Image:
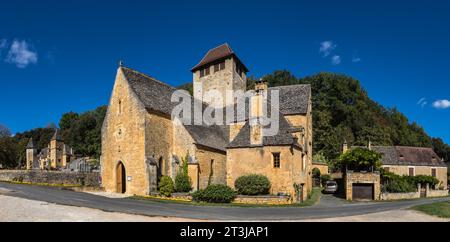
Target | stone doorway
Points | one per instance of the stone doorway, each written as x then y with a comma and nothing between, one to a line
121,178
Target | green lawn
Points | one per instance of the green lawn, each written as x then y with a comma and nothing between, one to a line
314,198
436,209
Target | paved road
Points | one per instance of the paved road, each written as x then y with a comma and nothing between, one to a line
148,208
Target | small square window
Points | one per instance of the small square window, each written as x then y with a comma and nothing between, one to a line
433,173
276,160
411,171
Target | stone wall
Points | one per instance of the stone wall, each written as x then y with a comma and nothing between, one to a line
362,178
323,168
269,200
399,196
123,140
51,177
437,193
211,175
259,160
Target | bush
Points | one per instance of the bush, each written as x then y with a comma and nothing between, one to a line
215,194
183,183
165,186
399,184
316,173
253,185
325,178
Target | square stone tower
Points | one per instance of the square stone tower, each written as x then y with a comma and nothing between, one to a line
218,72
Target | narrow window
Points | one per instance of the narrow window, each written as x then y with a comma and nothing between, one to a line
216,67
222,66
433,172
211,173
411,171
276,160
120,106
207,71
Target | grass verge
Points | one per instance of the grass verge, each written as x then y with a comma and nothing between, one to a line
441,209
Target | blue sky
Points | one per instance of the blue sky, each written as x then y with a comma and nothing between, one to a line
60,56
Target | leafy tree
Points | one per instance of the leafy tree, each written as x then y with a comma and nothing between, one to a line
360,159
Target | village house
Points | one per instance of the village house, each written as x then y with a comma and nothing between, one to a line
141,142
57,155
400,160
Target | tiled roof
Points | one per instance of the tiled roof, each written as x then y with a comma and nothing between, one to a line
218,53
408,156
30,144
293,99
284,136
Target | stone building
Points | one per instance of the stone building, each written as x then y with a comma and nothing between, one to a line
57,155
142,142
411,161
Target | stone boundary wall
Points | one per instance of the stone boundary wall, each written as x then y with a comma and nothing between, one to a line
51,177
399,196
269,200
437,193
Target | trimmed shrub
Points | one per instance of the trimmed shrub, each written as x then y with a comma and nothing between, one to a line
252,185
165,186
215,194
183,183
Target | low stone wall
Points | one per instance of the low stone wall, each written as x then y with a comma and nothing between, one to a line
51,178
270,200
437,193
399,196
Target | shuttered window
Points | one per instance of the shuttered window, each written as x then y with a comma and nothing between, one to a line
411,171
433,172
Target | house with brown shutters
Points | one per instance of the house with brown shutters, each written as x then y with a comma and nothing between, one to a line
141,141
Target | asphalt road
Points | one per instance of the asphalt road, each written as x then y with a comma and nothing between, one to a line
149,208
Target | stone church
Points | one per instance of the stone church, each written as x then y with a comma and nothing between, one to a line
56,156
142,142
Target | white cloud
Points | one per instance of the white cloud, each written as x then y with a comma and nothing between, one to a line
356,59
21,55
326,48
422,102
336,60
441,104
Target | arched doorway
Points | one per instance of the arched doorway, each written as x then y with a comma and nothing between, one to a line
121,178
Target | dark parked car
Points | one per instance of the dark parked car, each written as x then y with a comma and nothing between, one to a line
331,187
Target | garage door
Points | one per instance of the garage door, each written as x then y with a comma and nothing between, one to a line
363,191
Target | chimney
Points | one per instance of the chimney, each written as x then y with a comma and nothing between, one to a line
257,112
345,146
261,85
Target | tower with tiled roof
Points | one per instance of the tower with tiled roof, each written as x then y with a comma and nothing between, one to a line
219,71
31,151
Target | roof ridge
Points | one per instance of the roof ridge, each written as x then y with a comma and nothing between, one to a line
148,76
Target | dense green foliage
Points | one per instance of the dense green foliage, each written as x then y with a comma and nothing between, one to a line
325,178
316,173
183,183
81,131
165,186
252,185
343,110
394,183
215,194
359,159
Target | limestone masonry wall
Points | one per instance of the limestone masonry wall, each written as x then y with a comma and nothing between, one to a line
51,177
